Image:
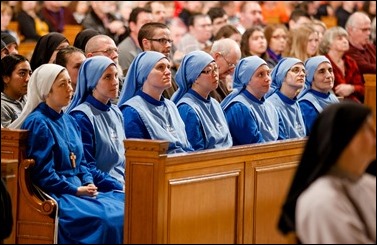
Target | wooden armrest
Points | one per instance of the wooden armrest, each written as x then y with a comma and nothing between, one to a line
292,238
40,204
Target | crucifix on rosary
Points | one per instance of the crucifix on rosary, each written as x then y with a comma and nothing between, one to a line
73,159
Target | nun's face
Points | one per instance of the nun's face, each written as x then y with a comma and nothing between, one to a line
208,79
260,82
61,92
296,76
323,80
108,85
160,75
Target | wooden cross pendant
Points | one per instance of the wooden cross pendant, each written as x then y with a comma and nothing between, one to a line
73,159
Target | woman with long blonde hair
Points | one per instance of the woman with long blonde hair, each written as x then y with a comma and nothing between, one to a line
304,43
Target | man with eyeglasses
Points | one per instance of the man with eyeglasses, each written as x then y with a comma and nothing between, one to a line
105,46
156,36
361,49
226,53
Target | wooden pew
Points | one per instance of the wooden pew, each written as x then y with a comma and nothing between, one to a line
9,173
33,215
13,26
273,20
70,32
27,48
212,196
370,92
330,21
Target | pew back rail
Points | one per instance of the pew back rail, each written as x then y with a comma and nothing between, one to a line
212,196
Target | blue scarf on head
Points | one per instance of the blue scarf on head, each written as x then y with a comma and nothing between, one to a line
245,69
280,71
191,66
138,72
311,66
90,73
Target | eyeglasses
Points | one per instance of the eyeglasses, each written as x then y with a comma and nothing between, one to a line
297,70
162,41
211,71
280,37
367,29
230,65
108,51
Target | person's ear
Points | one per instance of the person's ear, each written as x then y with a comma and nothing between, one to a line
146,45
6,79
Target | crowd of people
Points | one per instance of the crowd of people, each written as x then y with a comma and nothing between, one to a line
200,75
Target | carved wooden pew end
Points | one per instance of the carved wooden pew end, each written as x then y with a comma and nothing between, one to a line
34,212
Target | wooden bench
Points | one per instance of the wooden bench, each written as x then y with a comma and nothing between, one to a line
13,26
70,32
212,196
370,92
27,48
9,173
330,21
33,214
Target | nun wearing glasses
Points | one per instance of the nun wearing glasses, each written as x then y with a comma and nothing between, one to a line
204,119
288,78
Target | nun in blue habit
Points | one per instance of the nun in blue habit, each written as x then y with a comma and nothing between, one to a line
147,114
288,78
250,117
205,122
100,120
90,208
318,93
